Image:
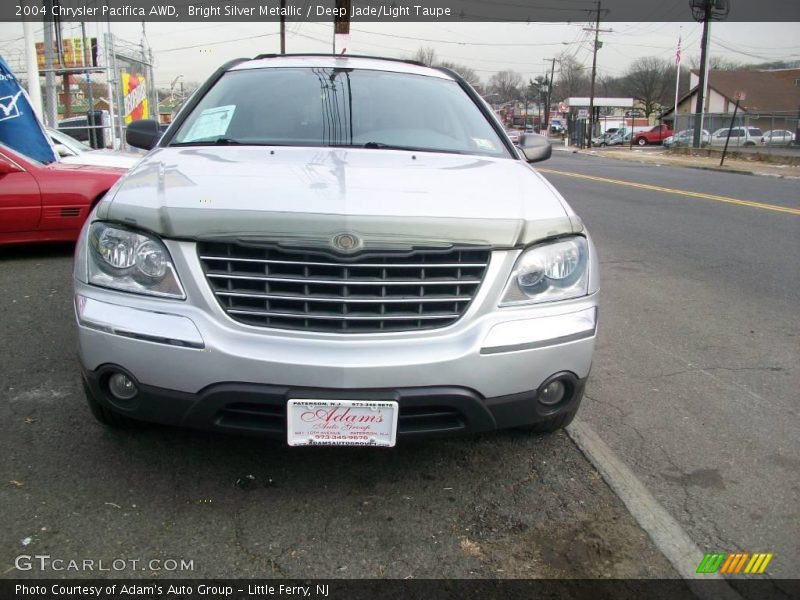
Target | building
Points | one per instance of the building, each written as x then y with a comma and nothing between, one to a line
771,99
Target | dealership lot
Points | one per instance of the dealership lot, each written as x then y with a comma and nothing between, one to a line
693,387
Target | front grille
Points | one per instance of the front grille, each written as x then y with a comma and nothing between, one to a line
295,289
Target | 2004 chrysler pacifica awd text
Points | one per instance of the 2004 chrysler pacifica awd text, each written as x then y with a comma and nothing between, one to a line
335,251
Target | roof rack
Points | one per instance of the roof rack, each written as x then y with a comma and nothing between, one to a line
327,55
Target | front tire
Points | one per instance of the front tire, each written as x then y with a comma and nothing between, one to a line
641,142
103,414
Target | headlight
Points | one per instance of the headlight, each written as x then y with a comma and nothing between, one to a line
555,270
130,261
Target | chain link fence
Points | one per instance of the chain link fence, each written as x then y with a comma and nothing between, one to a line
772,133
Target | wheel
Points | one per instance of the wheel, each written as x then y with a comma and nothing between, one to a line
103,415
749,143
642,142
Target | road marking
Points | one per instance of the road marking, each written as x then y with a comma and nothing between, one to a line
667,534
656,188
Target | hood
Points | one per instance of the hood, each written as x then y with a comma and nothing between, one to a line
311,194
103,158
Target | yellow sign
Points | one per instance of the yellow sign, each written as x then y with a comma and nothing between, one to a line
75,52
134,94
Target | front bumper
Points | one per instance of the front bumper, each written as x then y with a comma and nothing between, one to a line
258,409
192,362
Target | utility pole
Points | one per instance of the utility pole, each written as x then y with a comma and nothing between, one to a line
51,102
32,69
597,46
549,97
705,11
283,26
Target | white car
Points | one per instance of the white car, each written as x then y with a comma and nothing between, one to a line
71,151
739,136
686,138
778,137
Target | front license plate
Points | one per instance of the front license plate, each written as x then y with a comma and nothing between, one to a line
341,422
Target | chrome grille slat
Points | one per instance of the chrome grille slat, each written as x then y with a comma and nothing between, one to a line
335,264
353,299
270,286
408,317
346,280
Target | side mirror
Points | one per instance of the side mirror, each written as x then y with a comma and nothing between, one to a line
7,167
535,147
144,134
62,150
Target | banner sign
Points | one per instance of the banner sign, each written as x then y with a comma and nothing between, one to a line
75,53
20,128
134,94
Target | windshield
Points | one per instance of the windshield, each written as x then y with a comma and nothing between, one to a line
68,141
340,107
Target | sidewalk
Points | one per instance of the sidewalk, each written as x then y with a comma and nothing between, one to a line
660,157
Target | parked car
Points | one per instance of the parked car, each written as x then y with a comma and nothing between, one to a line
78,126
71,151
280,265
602,140
620,137
656,135
513,135
739,136
778,137
686,138
43,203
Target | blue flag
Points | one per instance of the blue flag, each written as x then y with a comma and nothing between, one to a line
20,128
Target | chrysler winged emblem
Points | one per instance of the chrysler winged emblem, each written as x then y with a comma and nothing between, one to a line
346,242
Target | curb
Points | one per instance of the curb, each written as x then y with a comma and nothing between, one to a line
698,167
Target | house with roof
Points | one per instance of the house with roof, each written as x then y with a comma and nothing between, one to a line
771,99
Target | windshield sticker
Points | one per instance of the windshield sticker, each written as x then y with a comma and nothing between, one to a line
212,123
483,144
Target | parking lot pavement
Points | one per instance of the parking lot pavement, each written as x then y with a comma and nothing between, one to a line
697,366
505,505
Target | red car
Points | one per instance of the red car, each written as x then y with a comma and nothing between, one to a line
656,135
47,203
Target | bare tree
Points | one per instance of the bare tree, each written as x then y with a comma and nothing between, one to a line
573,79
717,63
507,85
468,73
651,81
426,55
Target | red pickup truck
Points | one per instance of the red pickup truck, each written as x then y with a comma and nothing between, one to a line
655,136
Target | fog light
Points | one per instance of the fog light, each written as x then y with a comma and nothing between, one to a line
121,386
553,393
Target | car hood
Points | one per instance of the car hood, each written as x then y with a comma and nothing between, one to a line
384,196
103,158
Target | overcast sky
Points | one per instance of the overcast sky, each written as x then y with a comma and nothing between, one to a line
194,50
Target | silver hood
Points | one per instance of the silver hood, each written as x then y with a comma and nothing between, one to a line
311,194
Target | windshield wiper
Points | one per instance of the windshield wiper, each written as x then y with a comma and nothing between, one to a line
219,141
382,146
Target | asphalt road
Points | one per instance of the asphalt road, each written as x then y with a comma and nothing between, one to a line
696,375
506,505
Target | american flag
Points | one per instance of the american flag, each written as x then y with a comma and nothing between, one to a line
678,53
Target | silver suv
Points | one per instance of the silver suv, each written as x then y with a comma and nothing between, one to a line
335,251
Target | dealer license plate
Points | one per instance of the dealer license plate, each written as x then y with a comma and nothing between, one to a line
341,422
